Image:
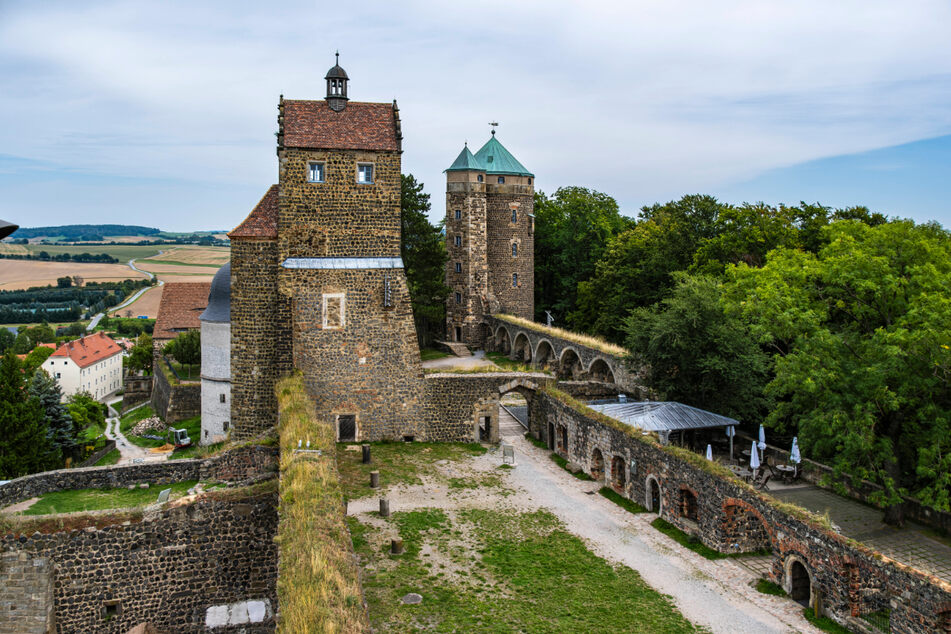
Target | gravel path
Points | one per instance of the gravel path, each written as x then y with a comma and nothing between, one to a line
127,451
716,595
477,360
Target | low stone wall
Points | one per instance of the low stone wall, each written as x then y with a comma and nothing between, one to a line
93,459
167,569
135,390
703,499
238,465
456,403
173,402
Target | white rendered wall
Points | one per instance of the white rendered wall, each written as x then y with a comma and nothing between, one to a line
215,382
99,379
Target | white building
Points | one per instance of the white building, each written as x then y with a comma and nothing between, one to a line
216,360
90,364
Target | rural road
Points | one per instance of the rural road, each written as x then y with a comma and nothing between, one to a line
95,320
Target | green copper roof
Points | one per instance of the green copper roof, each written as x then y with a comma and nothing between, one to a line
492,158
497,160
465,161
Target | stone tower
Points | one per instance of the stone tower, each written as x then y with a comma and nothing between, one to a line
490,240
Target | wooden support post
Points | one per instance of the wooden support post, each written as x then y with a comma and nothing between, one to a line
374,479
384,508
366,454
396,546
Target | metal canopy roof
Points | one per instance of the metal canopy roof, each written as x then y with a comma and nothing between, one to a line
343,263
662,415
495,159
465,162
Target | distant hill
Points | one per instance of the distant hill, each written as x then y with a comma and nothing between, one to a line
80,232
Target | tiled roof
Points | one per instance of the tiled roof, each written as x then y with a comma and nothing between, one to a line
182,303
262,221
88,350
359,126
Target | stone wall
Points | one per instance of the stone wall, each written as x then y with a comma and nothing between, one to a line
703,499
94,458
238,465
466,195
501,201
135,390
457,403
260,336
167,569
173,401
26,601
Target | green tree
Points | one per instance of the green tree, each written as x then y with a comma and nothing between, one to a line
636,269
424,256
697,354
24,446
746,233
35,358
862,352
572,230
140,356
64,282
23,344
185,348
84,410
6,339
59,424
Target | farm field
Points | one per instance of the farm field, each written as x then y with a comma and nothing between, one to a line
147,305
21,274
122,252
190,256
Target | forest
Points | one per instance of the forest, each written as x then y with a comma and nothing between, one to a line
827,324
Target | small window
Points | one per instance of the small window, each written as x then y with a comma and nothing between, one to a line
458,241
515,215
224,426
365,173
458,267
479,177
458,214
514,279
514,249
221,397
315,172
334,309
458,298
529,181
501,180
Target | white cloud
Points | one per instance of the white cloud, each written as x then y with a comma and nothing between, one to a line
643,100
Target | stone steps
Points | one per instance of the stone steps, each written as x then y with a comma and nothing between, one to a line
455,347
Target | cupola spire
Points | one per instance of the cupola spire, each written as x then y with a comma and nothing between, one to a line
337,86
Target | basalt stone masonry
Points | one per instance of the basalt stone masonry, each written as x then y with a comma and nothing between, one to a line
173,401
841,577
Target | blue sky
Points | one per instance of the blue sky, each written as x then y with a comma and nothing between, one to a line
164,113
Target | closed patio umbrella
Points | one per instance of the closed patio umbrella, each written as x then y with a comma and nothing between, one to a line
794,455
730,432
754,458
709,452
762,440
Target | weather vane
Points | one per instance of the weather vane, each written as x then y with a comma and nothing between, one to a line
494,125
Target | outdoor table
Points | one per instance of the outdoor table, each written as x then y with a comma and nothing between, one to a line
787,471
746,474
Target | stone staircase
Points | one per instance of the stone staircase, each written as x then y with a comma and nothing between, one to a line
455,347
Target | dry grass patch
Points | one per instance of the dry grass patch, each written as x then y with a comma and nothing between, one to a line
22,274
318,585
192,256
567,335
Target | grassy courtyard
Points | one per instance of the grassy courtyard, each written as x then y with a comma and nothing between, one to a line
97,499
482,566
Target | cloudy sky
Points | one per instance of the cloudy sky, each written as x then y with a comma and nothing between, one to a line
164,113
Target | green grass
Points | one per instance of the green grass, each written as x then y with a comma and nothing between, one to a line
128,420
538,443
96,499
196,450
685,540
110,458
397,462
561,462
191,372
623,502
505,363
91,433
430,354
768,587
824,623
501,571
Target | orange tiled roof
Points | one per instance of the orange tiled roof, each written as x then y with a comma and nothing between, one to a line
88,350
262,221
359,126
181,305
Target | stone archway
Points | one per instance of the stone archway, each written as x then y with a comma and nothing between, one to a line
744,527
570,367
503,340
601,371
653,500
618,474
597,465
797,580
522,348
544,354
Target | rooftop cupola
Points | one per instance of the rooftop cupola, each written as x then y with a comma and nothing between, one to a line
337,86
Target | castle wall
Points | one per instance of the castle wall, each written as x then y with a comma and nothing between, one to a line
369,367
472,283
502,233
173,401
167,569
847,578
260,336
